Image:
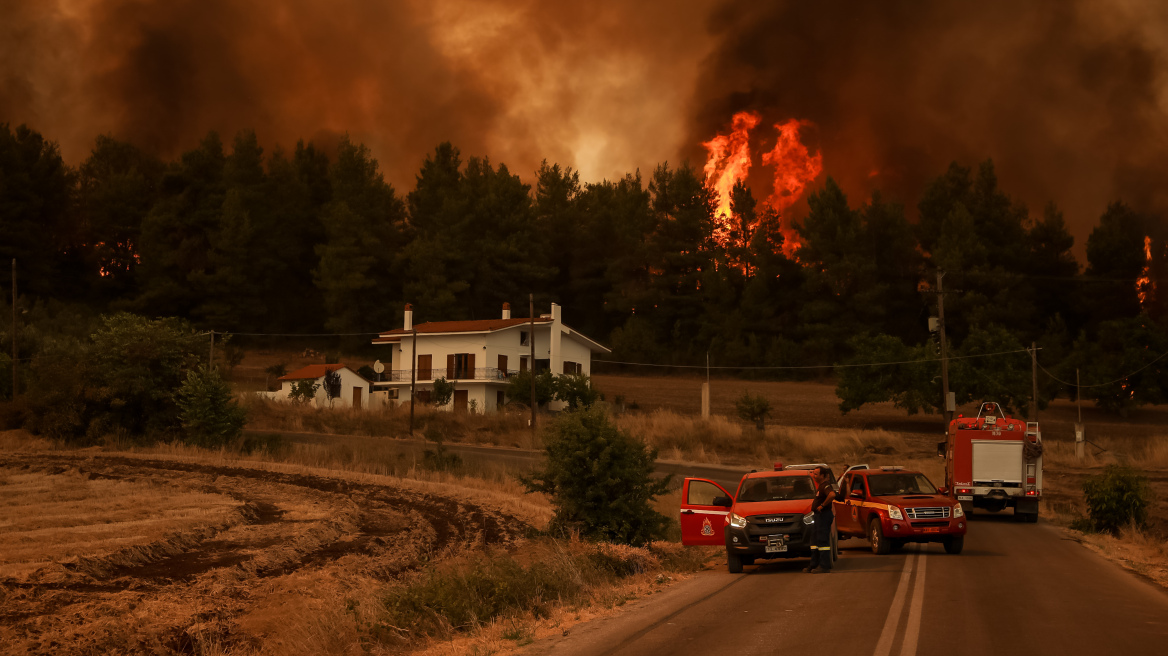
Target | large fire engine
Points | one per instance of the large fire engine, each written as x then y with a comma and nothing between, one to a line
993,462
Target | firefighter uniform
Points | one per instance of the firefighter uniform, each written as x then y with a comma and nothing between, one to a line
821,530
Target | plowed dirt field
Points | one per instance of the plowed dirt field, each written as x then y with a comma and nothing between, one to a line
104,554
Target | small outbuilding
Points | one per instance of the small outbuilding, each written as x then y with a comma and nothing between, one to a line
353,393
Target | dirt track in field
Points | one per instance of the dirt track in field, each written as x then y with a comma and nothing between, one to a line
226,582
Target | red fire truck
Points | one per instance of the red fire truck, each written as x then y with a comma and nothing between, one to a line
993,461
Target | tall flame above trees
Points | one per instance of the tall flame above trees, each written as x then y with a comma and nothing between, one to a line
1145,286
729,161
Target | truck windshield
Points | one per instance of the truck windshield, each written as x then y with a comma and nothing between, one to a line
890,485
777,488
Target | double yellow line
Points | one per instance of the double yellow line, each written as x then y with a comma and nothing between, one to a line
912,630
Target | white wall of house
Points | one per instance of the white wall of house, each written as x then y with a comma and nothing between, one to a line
350,381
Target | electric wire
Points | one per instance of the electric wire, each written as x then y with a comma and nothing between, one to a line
814,366
1112,382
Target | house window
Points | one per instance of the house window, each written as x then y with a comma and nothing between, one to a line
542,364
523,338
571,368
460,366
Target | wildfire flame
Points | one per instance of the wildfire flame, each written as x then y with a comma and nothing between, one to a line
1144,284
729,161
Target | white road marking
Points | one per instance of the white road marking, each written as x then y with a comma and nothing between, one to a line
912,631
888,634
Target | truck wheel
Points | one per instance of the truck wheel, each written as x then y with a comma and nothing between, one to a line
954,545
876,536
734,563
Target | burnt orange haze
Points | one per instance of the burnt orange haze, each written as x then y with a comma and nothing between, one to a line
793,166
1068,98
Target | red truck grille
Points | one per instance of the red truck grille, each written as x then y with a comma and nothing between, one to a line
938,512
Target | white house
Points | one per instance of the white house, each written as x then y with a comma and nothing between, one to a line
478,356
355,390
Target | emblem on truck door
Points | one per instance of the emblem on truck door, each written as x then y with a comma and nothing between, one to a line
706,528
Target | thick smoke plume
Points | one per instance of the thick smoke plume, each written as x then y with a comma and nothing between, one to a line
1068,98
598,86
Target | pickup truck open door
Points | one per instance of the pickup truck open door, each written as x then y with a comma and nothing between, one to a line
704,506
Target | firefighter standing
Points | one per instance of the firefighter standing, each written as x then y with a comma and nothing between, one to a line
821,530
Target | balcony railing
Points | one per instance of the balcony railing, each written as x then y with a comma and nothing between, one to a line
457,373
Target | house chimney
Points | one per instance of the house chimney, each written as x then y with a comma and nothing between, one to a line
506,310
555,312
408,324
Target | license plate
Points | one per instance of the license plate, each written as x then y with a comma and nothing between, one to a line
776,544
969,498
932,530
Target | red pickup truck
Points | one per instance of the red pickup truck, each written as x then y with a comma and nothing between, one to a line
768,517
892,506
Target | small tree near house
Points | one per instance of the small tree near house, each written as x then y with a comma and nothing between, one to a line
303,391
332,385
754,409
443,392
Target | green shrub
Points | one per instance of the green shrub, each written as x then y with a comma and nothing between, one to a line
442,393
303,391
754,409
576,390
600,480
209,413
1117,498
439,459
519,388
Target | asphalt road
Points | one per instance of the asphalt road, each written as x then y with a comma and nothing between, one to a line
1016,589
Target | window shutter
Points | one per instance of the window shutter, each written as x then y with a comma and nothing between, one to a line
470,366
450,367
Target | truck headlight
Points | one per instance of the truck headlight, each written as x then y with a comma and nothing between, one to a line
895,513
737,521
958,511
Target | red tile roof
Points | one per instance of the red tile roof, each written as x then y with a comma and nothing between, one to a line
312,371
475,326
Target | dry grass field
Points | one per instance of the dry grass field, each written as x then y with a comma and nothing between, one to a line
106,553
296,544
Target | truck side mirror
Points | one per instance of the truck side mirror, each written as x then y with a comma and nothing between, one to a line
941,449
857,494
943,490
724,502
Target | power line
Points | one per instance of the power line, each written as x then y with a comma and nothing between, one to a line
814,366
1117,380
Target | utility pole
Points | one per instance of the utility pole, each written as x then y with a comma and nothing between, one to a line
1080,433
1034,381
944,348
14,359
531,369
413,374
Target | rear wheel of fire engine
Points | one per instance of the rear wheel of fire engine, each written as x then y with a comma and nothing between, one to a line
954,545
734,563
876,536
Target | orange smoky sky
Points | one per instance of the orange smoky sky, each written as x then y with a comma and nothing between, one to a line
1069,98
599,86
